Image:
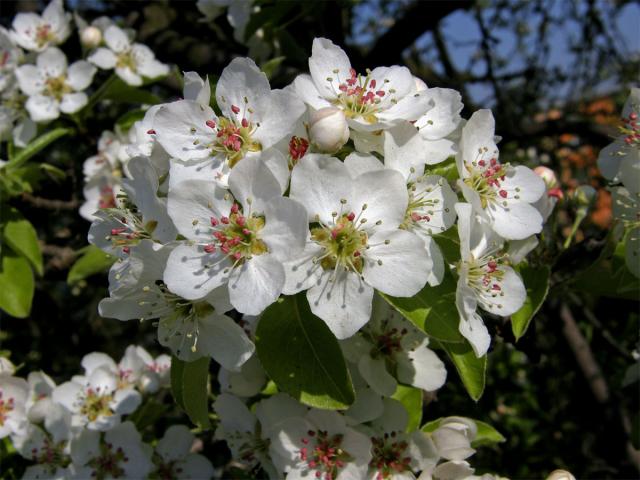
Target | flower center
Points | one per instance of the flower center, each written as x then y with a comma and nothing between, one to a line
131,229
127,59
421,209
96,404
108,464
44,35
237,236
322,453
486,177
360,96
50,453
168,470
389,342
57,87
389,456
342,242
485,275
6,406
631,130
298,146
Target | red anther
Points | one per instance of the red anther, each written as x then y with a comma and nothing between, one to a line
235,208
214,221
426,218
628,140
494,162
117,231
235,109
126,250
372,84
415,217
240,220
380,93
633,115
151,132
210,248
356,253
482,163
342,87
246,231
351,216
224,220
237,255
245,122
211,124
492,264
225,249
353,73
496,287
503,193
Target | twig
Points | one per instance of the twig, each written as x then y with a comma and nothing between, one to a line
61,257
50,204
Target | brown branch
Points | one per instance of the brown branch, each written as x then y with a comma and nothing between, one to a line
418,18
61,257
50,204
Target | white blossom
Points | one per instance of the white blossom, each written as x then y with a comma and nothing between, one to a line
174,457
13,396
38,32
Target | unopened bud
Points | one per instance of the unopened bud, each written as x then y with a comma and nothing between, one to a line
328,129
585,196
420,85
548,175
560,475
91,37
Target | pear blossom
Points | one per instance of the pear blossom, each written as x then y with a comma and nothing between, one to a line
48,447
96,401
376,100
254,119
501,192
484,278
389,347
39,401
626,208
625,150
355,242
396,454
453,438
319,445
175,460
52,87
430,209
13,396
15,122
38,32
241,243
117,453
131,61
553,193
248,434
10,56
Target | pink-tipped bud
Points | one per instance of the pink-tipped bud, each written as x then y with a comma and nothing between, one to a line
548,175
328,129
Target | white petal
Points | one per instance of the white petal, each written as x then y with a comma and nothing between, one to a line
308,92
523,183
516,221
72,102
374,371
422,368
80,75
52,62
239,80
129,76
478,133
196,89
147,65
234,415
192,273
285,228
103,58
509,299
610,157
319,182
471,325
253,184
275,409
224,340
398,267
42,108
329,67
126,401
175,444
195,466
302,273
630,171
181,128
279,166
409,108
342,300
444,117
94,360
384,193
368,406
359,163
30,79
116,39
279,118
256,284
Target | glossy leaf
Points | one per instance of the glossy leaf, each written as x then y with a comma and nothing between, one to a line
92,261
536,281
19,234
411,398
301,355
16,284
471,369
195,391
177,368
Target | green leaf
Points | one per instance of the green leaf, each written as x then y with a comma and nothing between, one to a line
92,261
126,121
301,355
53,171
446,169
471,369
177,368
449,244
16,284
411,398
432,310
271,66
536,280
486,435
195,391
119,91
37,145
20,235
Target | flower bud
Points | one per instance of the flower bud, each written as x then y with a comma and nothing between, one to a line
91,37
560,475
548,176
328,129
585,196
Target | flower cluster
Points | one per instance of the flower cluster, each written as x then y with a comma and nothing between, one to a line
620,163
75,430
37,83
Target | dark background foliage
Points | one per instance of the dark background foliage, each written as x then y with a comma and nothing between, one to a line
555,73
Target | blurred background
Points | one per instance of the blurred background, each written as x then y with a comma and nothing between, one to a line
555,73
